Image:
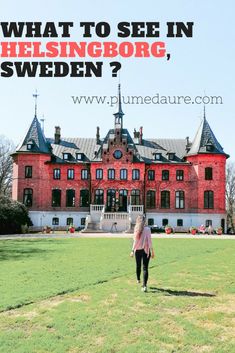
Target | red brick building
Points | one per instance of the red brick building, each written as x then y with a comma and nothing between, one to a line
102,181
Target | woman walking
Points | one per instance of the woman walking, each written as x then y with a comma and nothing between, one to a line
143,249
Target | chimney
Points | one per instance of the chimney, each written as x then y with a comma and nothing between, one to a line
136,134
188,145
187,140
97,135
141,135
57,135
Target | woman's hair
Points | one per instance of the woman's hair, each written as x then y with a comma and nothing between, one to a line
139,227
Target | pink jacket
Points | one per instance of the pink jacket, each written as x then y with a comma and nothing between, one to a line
145,241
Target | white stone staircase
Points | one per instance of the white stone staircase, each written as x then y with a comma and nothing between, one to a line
100,221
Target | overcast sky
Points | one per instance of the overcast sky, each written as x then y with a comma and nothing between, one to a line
198,65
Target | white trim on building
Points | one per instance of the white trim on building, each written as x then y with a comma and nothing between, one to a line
189,219
45,218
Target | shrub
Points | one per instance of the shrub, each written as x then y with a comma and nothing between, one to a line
13,215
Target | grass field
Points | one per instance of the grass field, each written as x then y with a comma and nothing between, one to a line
80,295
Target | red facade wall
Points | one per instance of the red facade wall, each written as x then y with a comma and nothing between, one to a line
171,185
194,183
117,184
217,184
42,181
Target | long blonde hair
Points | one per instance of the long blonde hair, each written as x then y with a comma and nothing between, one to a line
139,227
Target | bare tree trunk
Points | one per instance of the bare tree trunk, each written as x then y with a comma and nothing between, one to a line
6,163
230,195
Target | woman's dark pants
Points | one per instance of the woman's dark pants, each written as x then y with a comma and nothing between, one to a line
139,256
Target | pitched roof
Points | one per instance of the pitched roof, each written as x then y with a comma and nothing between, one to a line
144,152
86,146
36,137
151,146
204,137
92,151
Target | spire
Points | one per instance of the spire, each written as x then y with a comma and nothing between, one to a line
205,140
35,96
34,140
118,112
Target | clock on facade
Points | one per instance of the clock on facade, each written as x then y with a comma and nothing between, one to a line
117,154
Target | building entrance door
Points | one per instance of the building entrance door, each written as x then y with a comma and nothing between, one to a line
123,200
111,199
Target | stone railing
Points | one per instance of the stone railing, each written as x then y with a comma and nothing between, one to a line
96,208
120,221
136,208
134,211
116,216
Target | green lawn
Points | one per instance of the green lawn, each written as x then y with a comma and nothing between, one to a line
80,295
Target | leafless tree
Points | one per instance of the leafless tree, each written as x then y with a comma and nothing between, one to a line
230,194
6,163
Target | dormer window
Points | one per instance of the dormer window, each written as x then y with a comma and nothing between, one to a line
79,156
30,145
66,156
171,156
157,156
209,147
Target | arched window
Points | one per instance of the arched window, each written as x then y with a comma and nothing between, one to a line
150,199
111,200
208,173
179,199
84,198
208,199
70,198
99,197
28,197
56,198
123,200
135,197
165,199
